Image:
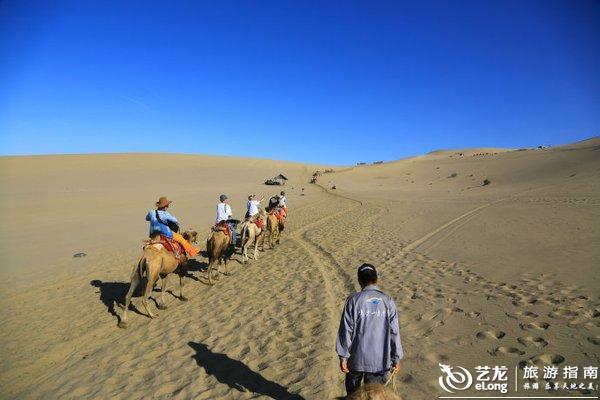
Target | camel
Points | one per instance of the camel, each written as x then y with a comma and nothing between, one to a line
273,228
219,251
251,233
156,262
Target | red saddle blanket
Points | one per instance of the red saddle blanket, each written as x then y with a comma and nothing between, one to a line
224,227
279,214
172,246
258,222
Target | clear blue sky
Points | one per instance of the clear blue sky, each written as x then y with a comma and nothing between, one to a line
338,82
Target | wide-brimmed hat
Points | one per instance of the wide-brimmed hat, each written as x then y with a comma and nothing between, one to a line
163,202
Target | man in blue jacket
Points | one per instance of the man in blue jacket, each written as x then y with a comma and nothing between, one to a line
368,341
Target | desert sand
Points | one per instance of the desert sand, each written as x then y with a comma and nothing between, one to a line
492,274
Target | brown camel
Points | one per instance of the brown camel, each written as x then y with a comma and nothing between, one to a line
156,262
273,228
251,233
219,251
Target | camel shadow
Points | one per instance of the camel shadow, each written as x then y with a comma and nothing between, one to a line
112,293
237,375
194,265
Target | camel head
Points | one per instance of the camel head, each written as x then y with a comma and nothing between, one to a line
191,236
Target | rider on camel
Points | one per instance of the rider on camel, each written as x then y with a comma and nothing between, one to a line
163,223
282,203
224,214
253,206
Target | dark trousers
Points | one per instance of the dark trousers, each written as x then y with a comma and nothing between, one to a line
354,379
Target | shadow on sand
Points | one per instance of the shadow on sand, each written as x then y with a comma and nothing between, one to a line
237,375
113,293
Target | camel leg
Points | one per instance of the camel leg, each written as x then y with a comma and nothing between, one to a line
209,270
256,249
149,287
181,296
244,253
225,270
135,281
218,269
161,304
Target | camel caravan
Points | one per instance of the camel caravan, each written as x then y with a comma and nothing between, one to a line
168,252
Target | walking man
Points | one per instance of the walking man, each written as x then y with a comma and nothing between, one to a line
368,341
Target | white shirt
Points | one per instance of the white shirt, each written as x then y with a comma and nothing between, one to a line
282,201
223,212
253,207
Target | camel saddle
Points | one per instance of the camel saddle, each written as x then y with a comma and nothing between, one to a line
169,245
279,213
258,222
223,226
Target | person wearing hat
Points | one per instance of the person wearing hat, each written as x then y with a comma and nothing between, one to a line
224,215
162,222
252,205
368,341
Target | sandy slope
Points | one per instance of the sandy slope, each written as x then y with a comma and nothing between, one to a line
495,275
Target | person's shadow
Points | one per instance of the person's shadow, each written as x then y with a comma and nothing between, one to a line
237,375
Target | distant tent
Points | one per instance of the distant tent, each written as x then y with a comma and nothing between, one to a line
278,180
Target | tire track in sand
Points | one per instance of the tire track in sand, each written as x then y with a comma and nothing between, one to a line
337,283
471,213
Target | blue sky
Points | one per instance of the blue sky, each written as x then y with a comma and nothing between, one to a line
329,82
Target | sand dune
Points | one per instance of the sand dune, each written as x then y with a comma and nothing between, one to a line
501,273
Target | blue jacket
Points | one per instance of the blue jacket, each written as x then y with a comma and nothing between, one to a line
369,336
156,226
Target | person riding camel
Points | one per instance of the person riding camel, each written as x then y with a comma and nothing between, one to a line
224,215
282,203
253,206
163,223
275,207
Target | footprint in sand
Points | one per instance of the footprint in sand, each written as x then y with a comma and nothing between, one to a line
518,314
505,350
547,359
490,335
542,359
595,340
436,358
534,341
527,314
540,326
562,313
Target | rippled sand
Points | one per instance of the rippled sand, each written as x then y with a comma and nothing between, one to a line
496,274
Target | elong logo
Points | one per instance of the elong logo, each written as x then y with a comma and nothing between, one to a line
455,380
